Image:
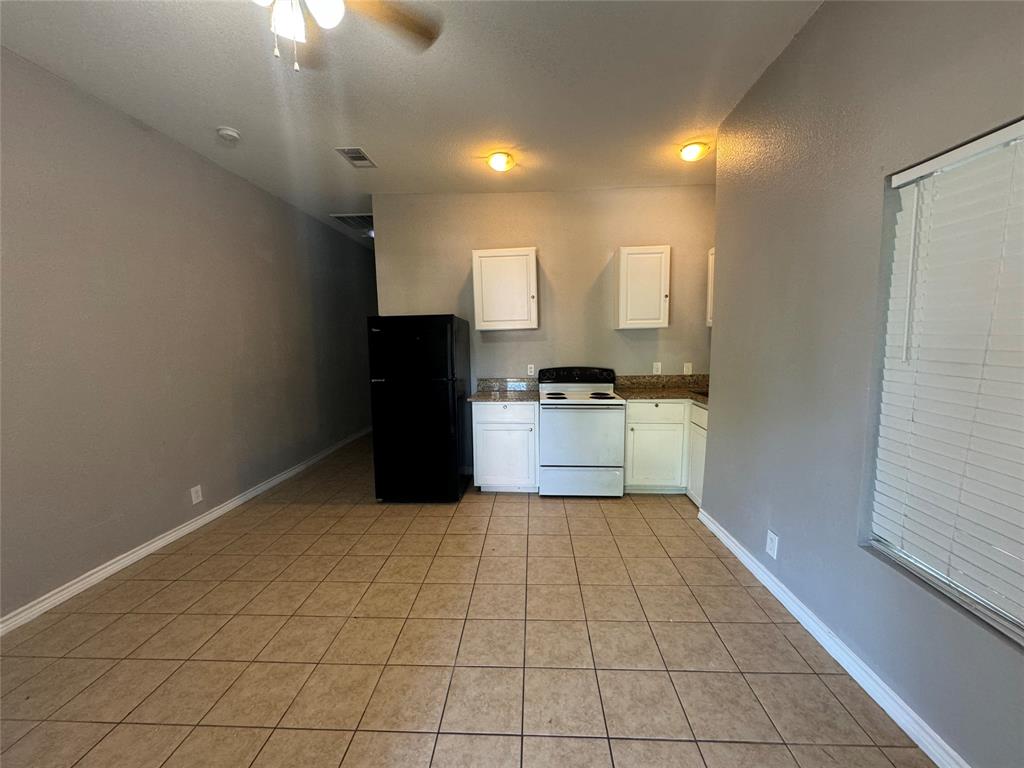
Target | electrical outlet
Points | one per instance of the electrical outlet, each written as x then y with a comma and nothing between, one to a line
687,369
197,494
530,370
771,546
657,368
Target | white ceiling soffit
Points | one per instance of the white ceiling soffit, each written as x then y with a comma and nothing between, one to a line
584,94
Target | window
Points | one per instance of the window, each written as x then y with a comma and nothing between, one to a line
949,475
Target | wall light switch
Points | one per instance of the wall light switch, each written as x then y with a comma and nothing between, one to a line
197,494
657,367
687,369
771,545
530,370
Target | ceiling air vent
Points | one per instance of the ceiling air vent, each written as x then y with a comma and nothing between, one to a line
356,156
359,224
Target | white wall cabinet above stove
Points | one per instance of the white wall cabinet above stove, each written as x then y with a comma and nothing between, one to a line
505,288
644,286
505,446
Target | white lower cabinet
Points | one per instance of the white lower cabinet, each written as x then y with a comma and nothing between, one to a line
505,446
654,455
698,449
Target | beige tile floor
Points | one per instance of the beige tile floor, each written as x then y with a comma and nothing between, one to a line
312,627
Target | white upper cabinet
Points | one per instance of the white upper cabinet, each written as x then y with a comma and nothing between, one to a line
644,286
505,288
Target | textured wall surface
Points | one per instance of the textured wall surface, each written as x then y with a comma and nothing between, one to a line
424,264
165,324
863,91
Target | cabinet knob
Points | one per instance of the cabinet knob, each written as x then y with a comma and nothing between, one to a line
666,295
531,429
533,296
504,406
656,405
631,429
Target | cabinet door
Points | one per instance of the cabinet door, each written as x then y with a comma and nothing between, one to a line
505,288
654,454
698,449
504,454
644,286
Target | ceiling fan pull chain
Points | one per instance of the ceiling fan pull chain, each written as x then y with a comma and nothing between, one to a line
295,56
277,51
297,14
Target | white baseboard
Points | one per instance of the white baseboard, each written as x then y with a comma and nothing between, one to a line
57,596
943,755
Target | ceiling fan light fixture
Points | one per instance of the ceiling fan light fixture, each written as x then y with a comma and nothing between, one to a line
327,13
286,20
500,161
694,151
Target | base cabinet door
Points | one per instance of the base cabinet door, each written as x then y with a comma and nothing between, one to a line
505,454
654,454
698,450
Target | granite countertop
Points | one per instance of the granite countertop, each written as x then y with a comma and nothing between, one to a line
660,393
504,396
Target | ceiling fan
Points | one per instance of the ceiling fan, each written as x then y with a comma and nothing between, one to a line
288,20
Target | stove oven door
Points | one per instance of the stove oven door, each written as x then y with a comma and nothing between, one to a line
582,435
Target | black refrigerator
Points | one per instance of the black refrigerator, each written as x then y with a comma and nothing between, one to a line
419,371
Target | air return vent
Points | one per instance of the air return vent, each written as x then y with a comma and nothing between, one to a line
360,224
356,156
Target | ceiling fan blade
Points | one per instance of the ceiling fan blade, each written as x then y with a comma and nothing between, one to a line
418,27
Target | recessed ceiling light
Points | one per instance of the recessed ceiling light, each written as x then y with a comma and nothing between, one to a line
694,151
228,135
500,161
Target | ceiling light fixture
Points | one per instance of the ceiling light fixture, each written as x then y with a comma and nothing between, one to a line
500,161
692,152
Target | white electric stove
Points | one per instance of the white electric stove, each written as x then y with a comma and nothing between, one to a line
582,432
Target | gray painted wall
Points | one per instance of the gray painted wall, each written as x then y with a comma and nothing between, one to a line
424,264
165,323
864,90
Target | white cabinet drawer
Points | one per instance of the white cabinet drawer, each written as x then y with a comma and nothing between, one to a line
656,413
484,413
699,416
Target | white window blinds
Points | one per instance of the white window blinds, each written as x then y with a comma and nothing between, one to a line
949,481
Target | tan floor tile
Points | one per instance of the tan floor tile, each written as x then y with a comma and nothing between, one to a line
551,570
172,567
484,701
556,601
871,717
333,697
468,525
333,544
12,730
218,748
357,568
641,705
333,598
776,611
624,645
726,755
364,641
429,526
913,757
588,526
602,571
309,568
692,647
390,525
639,546
463,751
656,754
816,656
760,648
541,752
558,644
54,745
175,597
291,544
428,642
452,570
40,696
549,545
407,699
670,604
611,603
263,568
305,749
508,526
688,545
228,597
502,570
492,643
315,524
509,508
375,544
302,638
260,696
188,694
250,544
704,571
182,637
839,757
68,633
387,601
217,568
498,601
135,746
388,750
442,601
281,598
411,569
20,634
418,545
729,604
594,546
720,706
805,711
241,638
113,695
652,571
562,702
121,637
461,545
15,670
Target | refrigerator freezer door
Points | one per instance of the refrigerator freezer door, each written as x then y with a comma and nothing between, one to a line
411,348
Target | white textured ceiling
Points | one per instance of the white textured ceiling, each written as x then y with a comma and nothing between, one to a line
585,94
